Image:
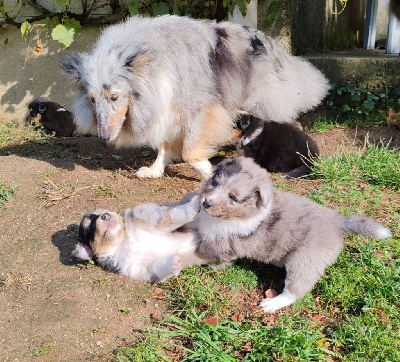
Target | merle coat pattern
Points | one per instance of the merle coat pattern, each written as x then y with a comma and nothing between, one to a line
243,216
177,85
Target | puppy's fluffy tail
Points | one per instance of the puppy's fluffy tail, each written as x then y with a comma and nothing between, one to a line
365,226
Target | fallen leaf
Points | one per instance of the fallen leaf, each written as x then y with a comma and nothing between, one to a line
38,50
363,185
271,293
158,293
237,317
341,187
270,320
247,347
213,320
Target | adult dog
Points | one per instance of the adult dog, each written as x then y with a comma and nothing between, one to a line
177,85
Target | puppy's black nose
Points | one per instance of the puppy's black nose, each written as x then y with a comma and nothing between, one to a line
206,204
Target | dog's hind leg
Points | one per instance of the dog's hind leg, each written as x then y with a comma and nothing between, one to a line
164,157
166,268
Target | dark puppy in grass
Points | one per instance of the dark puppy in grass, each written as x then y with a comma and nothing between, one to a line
52,116
278,147
243,216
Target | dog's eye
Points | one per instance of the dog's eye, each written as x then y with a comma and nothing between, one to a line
213,182
233,198
114,97
105,216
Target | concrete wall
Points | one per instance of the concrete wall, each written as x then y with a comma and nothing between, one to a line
24,77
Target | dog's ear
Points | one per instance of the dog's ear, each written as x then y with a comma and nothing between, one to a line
244,121
72,65
263,196
138,60
82,252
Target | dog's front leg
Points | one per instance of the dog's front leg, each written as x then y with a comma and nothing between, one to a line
164,157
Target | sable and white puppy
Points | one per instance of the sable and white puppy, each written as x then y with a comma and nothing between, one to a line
52,116
243,216
177,84
146,243
278,147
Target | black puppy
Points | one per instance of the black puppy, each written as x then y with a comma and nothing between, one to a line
52,116
278,147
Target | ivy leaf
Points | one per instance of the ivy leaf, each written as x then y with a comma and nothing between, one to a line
160,8
73,24
47,24
3,10
133,7
25,28
55,20
63,35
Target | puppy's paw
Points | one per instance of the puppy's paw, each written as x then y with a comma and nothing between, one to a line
271,305
148,172
193,207
176,264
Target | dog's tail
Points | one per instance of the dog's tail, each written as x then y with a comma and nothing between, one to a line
356,224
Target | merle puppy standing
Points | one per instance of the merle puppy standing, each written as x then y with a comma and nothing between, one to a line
177,85
244,216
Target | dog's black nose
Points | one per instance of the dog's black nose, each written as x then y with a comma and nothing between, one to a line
105,137
206,204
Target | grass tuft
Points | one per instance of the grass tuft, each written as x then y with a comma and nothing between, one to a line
352,314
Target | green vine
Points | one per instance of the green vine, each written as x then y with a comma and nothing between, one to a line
64,24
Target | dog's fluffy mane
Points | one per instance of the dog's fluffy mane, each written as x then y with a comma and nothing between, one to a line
183,81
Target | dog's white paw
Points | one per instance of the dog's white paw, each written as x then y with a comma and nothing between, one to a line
271,305
268,305
176,264
148,172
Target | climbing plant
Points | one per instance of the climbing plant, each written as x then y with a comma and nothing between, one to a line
62,19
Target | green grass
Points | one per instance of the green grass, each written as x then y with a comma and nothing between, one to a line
27,141
323,124
377,165
352,314
6,191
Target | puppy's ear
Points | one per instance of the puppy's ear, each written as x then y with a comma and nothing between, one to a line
82,252
244,121
72,65
263,197
42,107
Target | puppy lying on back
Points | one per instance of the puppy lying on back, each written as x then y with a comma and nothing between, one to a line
278,147
243,216
52,117
145,243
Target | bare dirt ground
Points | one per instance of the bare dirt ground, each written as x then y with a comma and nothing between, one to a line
52,308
